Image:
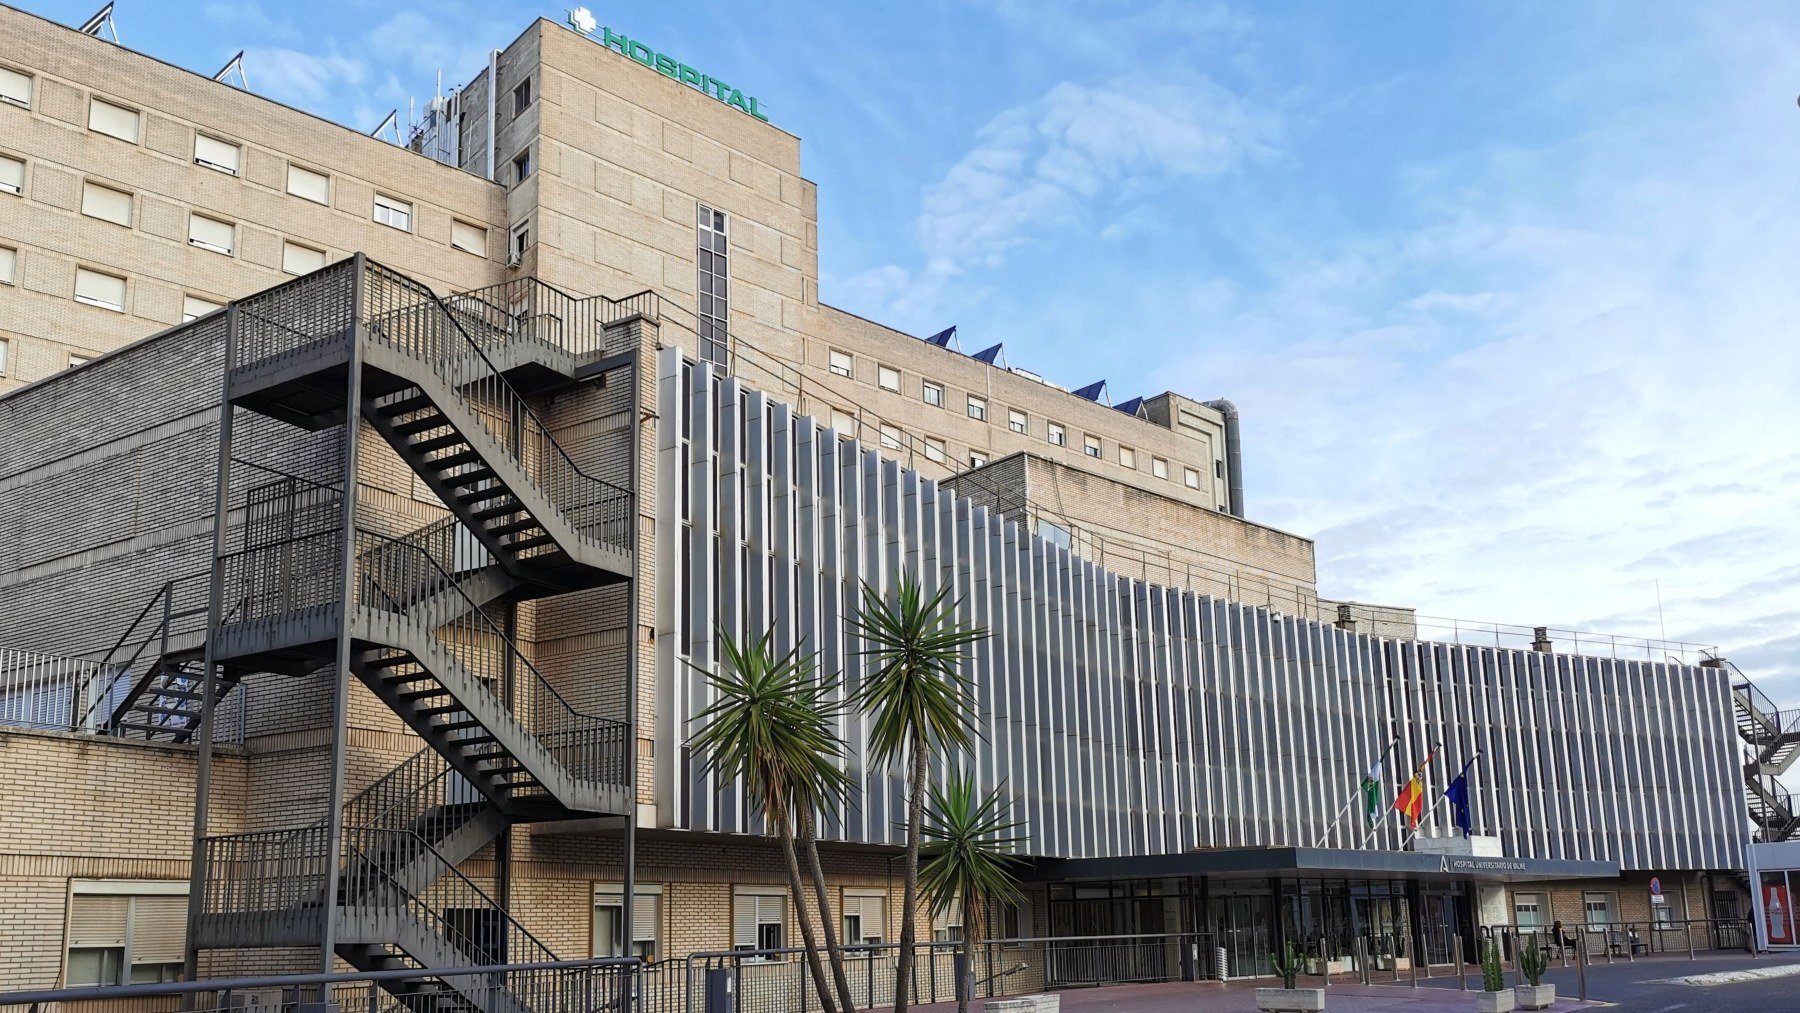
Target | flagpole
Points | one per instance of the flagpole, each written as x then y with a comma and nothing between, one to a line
1442,795
1417,772
1355,793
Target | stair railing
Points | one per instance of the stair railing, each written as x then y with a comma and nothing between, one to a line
423,794
590,747
536,310
413,320
171,612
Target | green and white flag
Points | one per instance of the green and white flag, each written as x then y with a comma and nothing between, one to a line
1371,792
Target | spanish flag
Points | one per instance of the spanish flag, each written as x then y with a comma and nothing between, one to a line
1412,801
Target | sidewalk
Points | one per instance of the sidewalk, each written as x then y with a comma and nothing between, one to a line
1239,997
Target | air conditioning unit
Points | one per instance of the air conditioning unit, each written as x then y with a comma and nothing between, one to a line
513,258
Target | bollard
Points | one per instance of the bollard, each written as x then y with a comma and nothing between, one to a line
1688,931
1362,961
1413,967
1631,943
1462,980
1324,966
1581,971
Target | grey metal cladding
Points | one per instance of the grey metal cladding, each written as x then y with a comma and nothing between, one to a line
1126,718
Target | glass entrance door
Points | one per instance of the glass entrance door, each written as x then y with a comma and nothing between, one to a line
1246,933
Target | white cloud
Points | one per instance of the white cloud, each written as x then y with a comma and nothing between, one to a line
305,79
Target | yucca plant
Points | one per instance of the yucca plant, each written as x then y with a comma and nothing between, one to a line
1493,979
919,703
968,854
770,724
1289,966
1531,961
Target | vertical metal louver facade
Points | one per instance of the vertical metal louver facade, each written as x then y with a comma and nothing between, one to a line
1125,718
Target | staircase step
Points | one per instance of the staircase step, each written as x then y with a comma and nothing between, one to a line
437,443
424,694
143,708
464,479
515,527
501,511
454,460
446,709
411,403
391,660
530,543
453,726
407,678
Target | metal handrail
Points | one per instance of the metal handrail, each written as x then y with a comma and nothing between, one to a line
112,669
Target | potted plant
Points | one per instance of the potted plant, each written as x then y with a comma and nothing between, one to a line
1494,996
1287,998
1536,995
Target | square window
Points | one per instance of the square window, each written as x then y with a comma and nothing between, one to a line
213,153
865,918
839,362
522,166
889,378
936,450
609,922
1159,467
15,88
977,459
12,175
1056,434
932,394
1128,457
1091,446
1528,910
468,238
106,204
977,408
393,212
193,307
522,96
121,931
1190,477
113,120
9,265
93,288
297,259
890,436
211,234
758,921
309,185
1017,421
843,423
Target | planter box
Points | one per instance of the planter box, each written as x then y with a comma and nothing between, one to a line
1494,1002
1025,1004
1291,1000
1535,996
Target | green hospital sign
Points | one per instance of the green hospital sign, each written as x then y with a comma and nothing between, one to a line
582,20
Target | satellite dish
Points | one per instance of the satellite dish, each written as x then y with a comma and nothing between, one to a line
583,20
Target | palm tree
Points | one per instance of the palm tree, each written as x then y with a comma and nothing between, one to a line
920,702
770,724
969,855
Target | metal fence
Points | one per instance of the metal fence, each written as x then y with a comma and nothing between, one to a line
52,692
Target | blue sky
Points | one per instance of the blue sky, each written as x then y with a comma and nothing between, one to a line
1506,292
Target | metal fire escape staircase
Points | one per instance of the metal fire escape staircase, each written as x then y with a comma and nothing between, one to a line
504,745
1772,740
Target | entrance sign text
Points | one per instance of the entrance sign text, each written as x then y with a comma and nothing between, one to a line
582,20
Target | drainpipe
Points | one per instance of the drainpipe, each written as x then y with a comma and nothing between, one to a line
493,92
1234,456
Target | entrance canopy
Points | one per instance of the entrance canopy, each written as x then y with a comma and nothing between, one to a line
1252,863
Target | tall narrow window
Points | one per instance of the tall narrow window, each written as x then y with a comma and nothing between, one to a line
15,88
521,240
715,282
1127,457
12,175
5,352
522,166
1159,467
9,265
1091,446
522,96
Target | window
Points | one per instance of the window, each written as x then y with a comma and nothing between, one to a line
977,408
977,459
9,265
1091,446
468,238
394,213
932,394
1219,468
865,917
211,234
193,307
947,926
1054,432
936,450
839,362
1190,477
5,354
890,436
1015,920
123,932
77,359
15,88
888,378
521,241
522,96
1159,467
297,259
1017,421
103,290
216,154
1597,908
844,423
715,280
1128,457
1528,910
309,185
760,919
522,166
12,175
609,921
1053,533
113,121
106,204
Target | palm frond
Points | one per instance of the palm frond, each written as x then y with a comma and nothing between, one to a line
969,849
914,683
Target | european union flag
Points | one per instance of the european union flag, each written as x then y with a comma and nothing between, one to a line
1458,796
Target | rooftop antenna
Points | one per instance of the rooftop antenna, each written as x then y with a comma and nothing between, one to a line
101,21
392,121
234,65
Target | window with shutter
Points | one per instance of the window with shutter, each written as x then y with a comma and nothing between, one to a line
113,121
297,259
210,234
216,154
609,921
309,185
96,289
15,87
865,918
946,927
12,175
468,238
193,307
158,929
98,919
759,919
9,265
106,204
5,354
